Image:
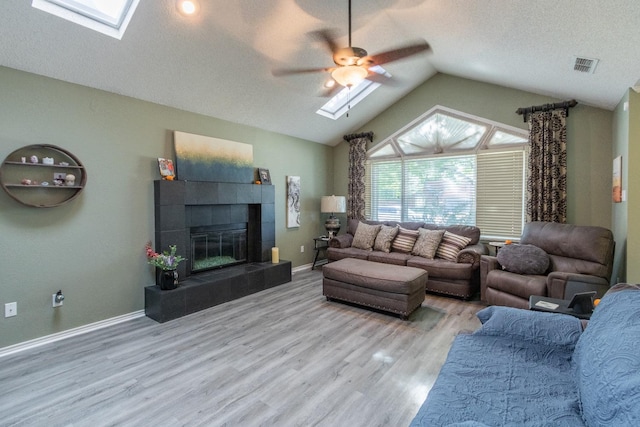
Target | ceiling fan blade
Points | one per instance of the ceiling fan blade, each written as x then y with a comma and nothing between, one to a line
327,37
395,54
292,71
378,78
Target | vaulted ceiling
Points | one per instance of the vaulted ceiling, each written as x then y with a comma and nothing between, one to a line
219,63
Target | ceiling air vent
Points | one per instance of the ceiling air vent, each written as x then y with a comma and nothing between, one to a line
585,65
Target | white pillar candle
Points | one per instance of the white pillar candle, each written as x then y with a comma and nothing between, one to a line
275,255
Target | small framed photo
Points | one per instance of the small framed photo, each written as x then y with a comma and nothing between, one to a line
166,168
264,176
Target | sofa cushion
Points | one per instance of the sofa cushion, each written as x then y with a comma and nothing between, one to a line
608,361
335,254
396,258
450,245
384,238
440,269
470,231
522,286
523,259
427,243
365,236
404,241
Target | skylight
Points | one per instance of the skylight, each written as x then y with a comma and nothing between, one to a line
340,103
109,17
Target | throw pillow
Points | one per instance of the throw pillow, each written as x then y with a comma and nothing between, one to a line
427,243
523,259
450,245
531,326
405,240
384,238
365,236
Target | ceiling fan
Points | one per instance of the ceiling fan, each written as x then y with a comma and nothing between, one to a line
353,64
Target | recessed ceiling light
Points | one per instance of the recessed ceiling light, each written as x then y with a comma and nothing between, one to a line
330,83
188,7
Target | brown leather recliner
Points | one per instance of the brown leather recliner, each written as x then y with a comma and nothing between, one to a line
580,260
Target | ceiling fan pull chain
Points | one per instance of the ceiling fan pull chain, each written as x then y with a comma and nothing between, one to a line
348,96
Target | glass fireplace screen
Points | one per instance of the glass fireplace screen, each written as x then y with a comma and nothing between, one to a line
218,248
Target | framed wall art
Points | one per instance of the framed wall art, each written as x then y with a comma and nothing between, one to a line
264,176
293,201
166,168
617,179
204,158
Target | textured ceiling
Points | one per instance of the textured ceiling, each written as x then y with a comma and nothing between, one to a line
219,63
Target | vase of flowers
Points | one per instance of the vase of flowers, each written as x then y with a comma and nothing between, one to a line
167,264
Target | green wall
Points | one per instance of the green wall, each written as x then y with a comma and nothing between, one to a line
93,247
589,145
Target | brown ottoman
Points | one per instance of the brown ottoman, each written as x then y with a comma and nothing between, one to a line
394,288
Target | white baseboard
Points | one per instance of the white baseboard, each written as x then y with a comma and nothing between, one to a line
5,351
300,268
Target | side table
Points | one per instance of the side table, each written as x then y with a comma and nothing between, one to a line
554,305
320,244
497,245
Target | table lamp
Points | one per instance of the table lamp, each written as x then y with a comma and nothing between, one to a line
331,205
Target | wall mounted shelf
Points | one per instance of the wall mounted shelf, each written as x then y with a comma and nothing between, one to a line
42,192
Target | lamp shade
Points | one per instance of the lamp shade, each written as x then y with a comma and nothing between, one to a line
333,204
349,75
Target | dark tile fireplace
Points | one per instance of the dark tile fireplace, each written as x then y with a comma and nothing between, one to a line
226,230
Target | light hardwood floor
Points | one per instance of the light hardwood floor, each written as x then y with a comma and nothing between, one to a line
282,357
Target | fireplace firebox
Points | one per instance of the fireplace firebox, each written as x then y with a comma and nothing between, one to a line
218,246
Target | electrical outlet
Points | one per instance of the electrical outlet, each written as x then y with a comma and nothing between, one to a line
10,309
54,302
302,249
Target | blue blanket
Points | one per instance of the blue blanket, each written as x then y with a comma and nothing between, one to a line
527,368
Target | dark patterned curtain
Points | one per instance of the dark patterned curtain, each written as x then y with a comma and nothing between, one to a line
547,174
357,158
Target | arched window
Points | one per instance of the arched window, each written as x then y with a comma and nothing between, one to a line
448,167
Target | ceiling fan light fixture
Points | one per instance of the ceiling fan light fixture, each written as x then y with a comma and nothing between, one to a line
349,75
188,7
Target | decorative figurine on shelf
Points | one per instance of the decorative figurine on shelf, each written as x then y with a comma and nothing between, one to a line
47,160
26,181
34,159
70,180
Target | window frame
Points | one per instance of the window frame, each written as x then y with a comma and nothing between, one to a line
382,153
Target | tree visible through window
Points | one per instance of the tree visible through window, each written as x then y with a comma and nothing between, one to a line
450,168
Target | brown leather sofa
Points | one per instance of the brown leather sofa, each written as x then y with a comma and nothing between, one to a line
580,260
460,278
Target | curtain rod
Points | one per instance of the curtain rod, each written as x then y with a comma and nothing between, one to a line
547,107
358,135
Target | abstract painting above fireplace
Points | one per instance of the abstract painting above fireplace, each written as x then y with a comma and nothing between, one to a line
204,158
